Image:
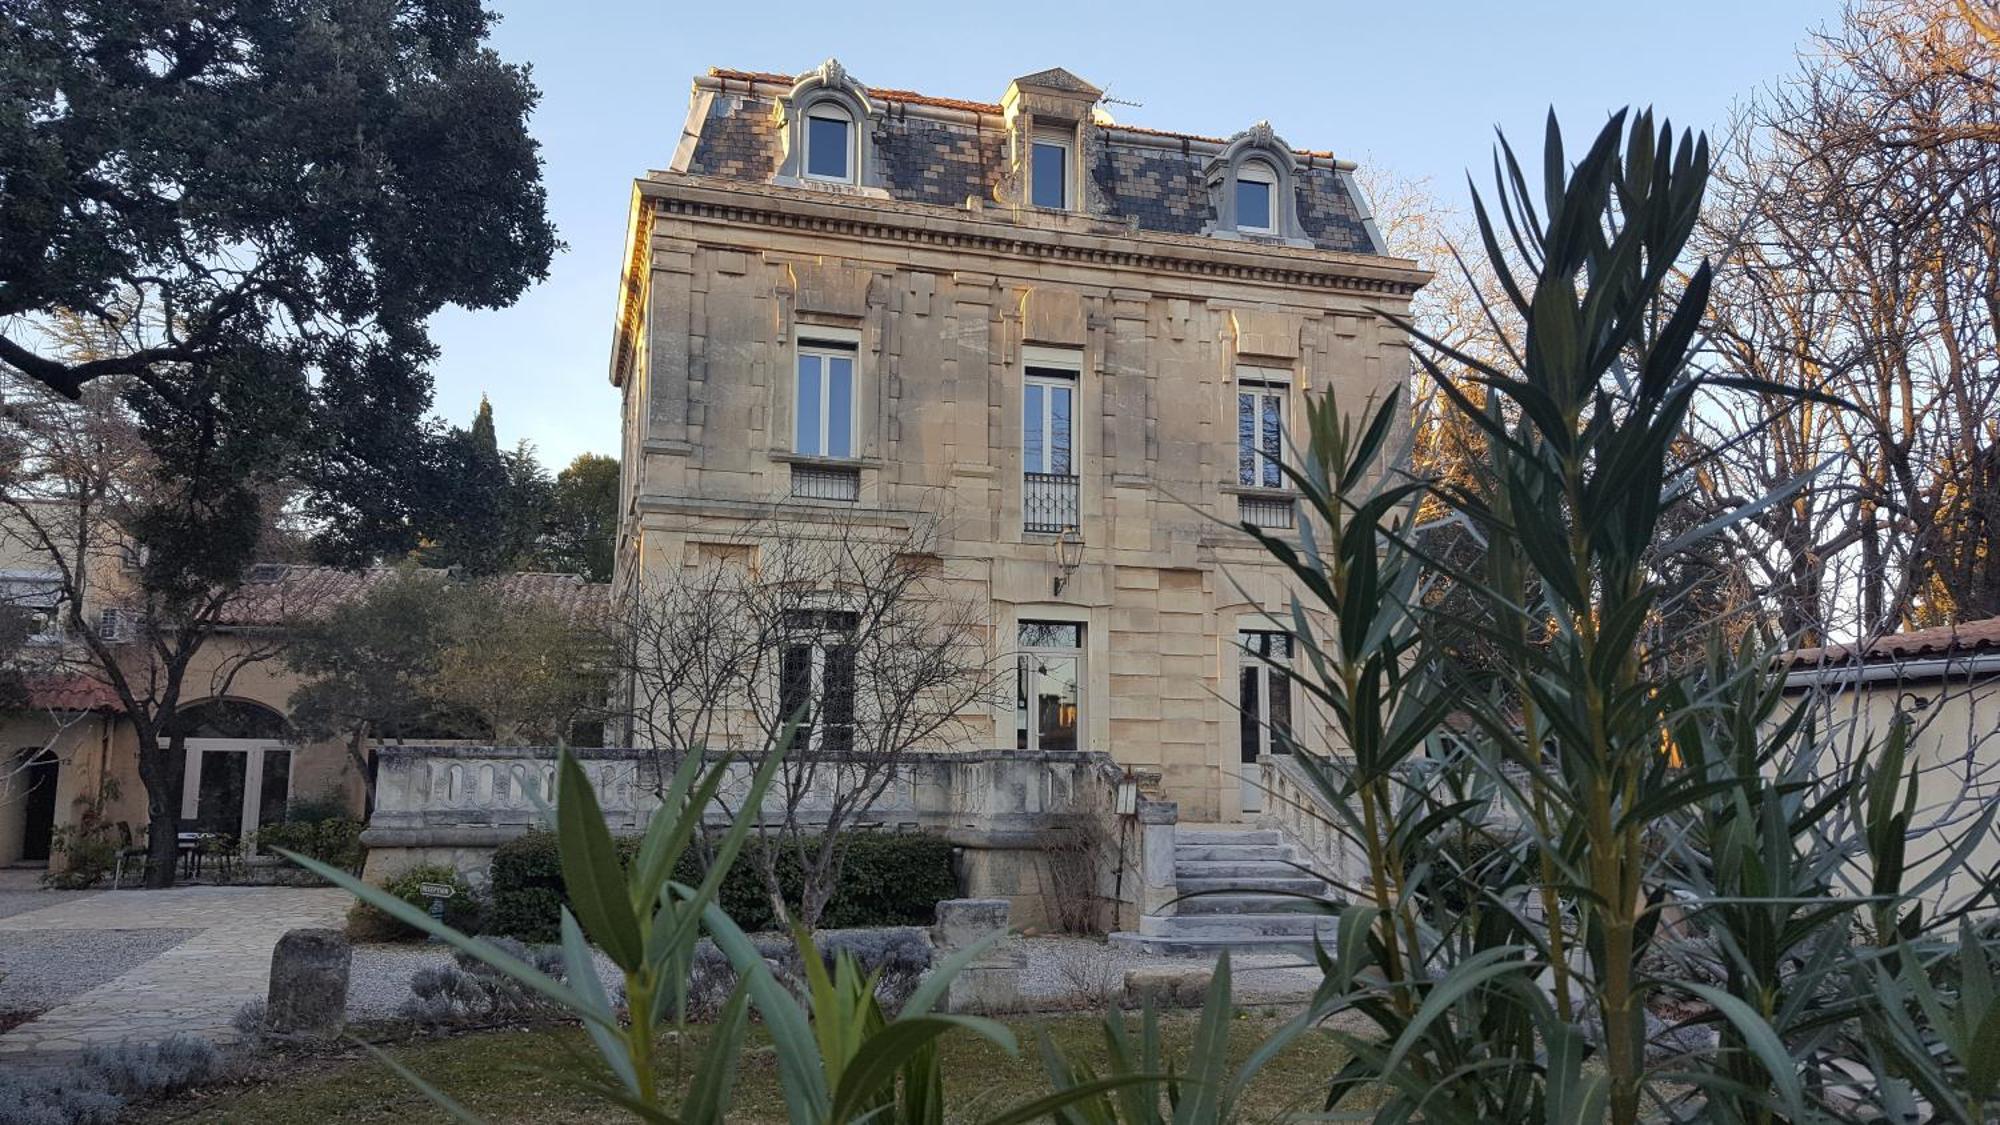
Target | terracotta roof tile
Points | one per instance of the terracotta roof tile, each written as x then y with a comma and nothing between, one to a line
72,692
285,592
1943,640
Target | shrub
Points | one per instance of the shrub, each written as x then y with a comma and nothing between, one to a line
334,841
887,879
461,910
95,1090
471,991
166,1067
898,957
88,854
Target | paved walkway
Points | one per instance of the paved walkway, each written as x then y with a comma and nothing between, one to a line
195,985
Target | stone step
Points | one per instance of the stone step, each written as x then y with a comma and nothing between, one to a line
1233,853
1228,836
1300,947
1231,927
1232,869
1295,881
1244,904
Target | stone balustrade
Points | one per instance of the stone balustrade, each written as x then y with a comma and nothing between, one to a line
1004,808
1295,806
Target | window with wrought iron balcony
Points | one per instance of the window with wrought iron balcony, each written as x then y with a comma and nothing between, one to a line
1048,452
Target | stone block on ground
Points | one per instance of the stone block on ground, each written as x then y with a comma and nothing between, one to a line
992,982
308,994
1178,987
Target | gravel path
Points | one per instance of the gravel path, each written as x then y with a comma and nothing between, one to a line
41,969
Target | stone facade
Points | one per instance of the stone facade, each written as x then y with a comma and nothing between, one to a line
934,270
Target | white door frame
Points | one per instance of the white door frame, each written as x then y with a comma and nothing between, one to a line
253,777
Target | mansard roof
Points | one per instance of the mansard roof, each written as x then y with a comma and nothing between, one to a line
944,151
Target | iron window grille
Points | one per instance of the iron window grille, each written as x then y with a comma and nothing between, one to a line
1267,511
826,482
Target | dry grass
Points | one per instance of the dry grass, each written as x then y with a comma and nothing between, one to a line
495,1075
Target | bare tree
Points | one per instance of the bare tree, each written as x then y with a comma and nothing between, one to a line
147,527
851,629
1856,224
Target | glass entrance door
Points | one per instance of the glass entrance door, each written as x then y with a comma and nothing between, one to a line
1048,686
234,786
1264,707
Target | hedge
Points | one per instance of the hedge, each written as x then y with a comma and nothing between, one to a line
886,879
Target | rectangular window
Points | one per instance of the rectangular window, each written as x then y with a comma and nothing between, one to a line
1048,450
828,147
823,414
816,678
1050,163
1253,202
1260,426
1048,686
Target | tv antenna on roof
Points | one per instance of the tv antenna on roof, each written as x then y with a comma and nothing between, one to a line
1108,99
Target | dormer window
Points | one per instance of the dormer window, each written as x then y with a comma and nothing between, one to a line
827,125
1256,183
1251,187
829,143
1051,165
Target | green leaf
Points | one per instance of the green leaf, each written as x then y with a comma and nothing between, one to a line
612,1046
1762,1041
708,1095
591,871
1208,1055
801,1076
871,1073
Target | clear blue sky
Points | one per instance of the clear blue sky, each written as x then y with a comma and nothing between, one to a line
1417,85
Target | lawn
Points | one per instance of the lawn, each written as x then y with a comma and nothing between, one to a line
493,1074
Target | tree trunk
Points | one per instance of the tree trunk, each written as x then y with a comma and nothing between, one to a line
161,769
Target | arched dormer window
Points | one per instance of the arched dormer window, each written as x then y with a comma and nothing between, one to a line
829,137
827,125
1256,189
1252,185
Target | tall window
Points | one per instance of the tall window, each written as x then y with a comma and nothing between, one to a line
1051,175
1048,450
1256,183
823,414
816,677
829,143
1048,424
1265,702
1048,693
1260,425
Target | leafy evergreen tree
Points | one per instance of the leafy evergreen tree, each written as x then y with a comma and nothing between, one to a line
582,523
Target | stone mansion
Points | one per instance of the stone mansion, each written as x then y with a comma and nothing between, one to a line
1082,342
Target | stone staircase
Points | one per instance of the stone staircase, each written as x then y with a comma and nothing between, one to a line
1255,914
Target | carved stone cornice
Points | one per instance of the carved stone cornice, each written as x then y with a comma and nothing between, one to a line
1053,238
